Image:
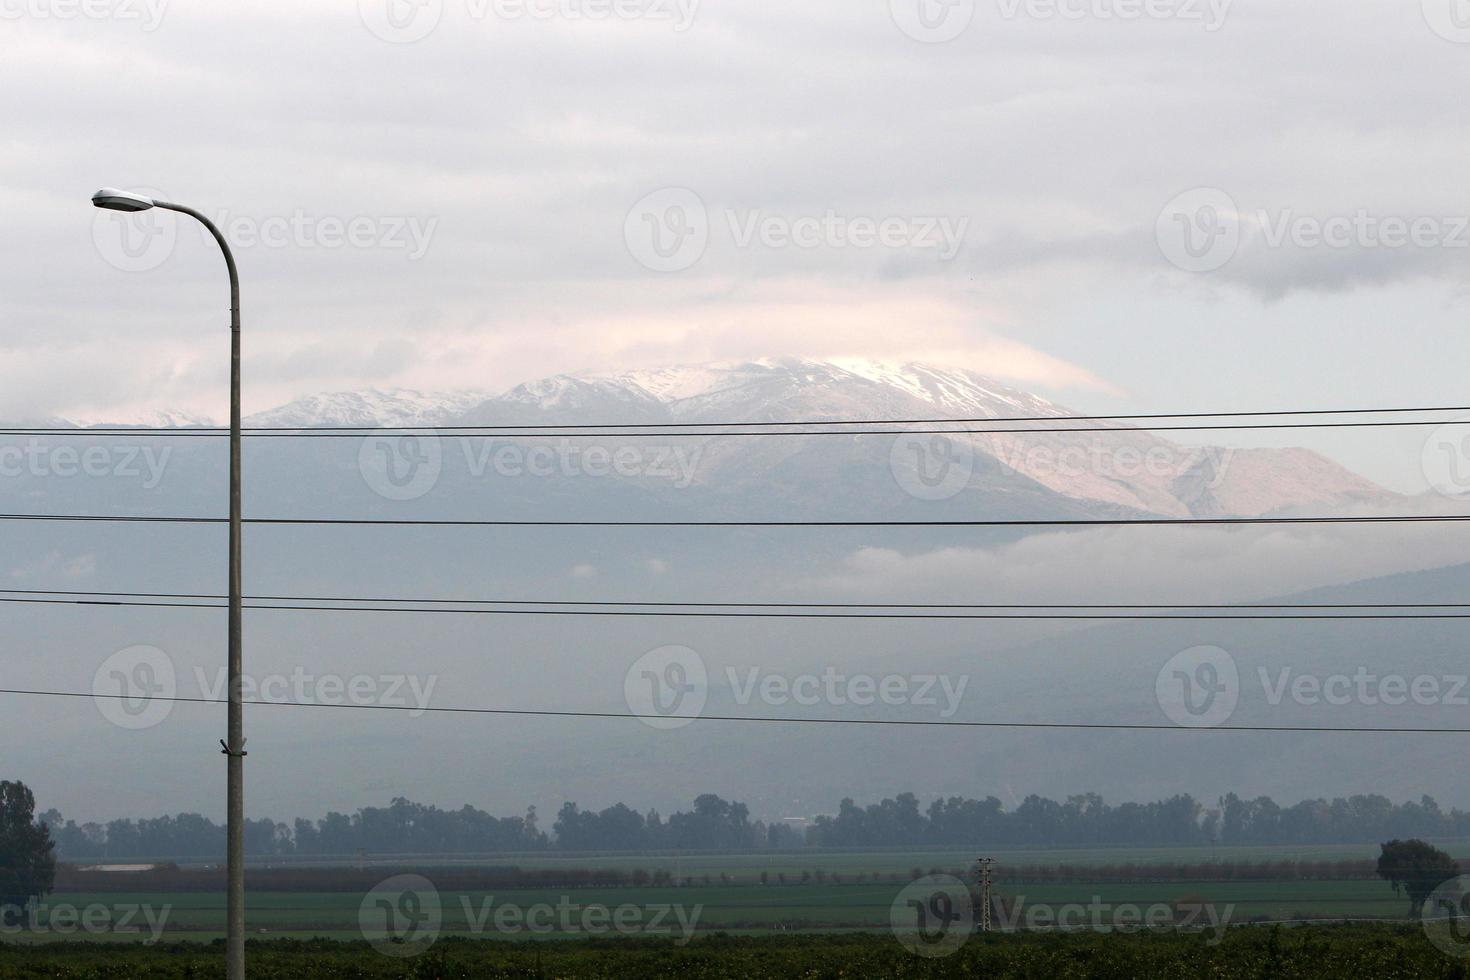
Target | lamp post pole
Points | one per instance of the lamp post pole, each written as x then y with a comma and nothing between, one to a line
234,741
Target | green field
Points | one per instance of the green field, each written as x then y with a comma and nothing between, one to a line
699,909
748,865
1385,952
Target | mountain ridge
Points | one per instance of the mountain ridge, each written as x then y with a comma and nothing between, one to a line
1129,468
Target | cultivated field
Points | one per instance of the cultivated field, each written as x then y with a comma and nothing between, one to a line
698,909
1245,954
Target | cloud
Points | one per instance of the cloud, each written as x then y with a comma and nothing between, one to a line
1145,565
1056,141
54,564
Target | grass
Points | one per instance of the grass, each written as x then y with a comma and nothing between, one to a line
769,908
749,865
1377,951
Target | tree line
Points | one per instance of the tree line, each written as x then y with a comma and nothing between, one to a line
1087,819
406,827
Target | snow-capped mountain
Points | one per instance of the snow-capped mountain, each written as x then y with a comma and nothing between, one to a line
1025,671
1131,469
772,389
370,407
1037,465
167,418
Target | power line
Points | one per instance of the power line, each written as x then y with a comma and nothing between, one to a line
1244,606
1022,522
668,432
57,430
773,720
726,614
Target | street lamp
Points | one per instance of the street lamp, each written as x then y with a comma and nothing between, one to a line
234,741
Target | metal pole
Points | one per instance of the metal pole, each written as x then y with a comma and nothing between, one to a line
234,742
985,864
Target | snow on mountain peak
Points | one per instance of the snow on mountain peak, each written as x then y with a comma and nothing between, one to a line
951,389
371,406
1091,468
164,418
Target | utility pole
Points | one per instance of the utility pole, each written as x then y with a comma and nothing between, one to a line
983,871
234,742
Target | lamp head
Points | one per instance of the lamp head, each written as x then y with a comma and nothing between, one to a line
115,200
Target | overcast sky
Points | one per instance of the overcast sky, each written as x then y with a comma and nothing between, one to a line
1124,205
467,193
